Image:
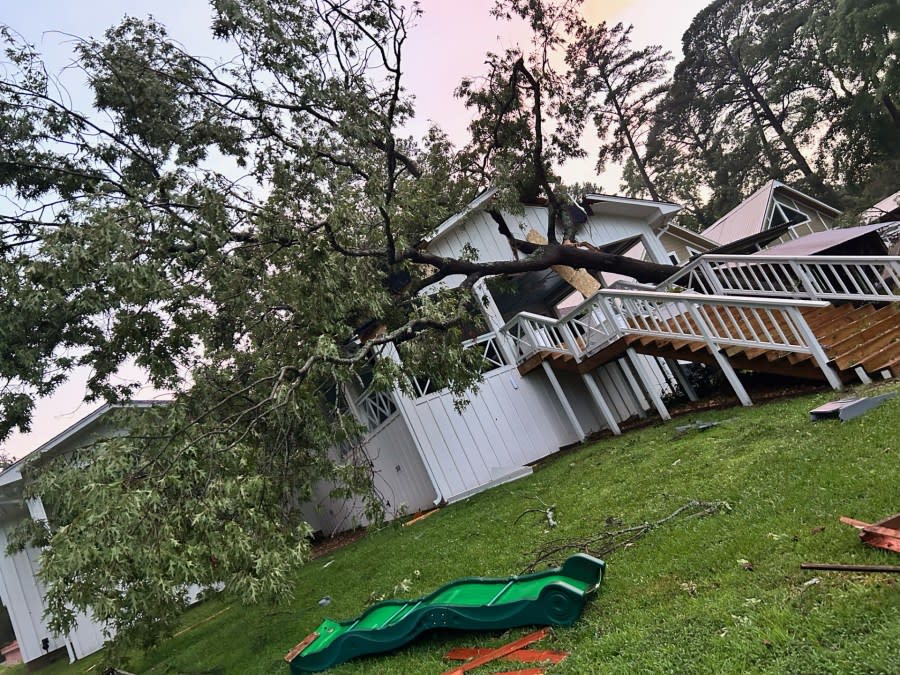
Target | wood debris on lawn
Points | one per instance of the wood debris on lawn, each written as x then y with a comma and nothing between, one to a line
507,652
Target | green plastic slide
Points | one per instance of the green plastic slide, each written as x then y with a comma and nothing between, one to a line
553,597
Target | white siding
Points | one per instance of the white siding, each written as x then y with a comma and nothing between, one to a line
400,478
480,232
23,597
87,637
511,421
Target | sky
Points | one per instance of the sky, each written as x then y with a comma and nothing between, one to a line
448,43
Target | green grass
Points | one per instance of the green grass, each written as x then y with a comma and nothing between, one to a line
679,600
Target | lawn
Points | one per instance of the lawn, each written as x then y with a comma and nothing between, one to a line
718,594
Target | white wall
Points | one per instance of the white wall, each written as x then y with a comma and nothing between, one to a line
400,478
23,597
480,232
511,421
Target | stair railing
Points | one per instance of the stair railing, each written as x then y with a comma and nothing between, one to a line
721,322
855,278
594,324
533,333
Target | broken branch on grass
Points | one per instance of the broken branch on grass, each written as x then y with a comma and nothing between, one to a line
547,511
601,544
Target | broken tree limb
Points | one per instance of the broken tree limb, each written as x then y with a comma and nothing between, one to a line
547,511
579,279
602,544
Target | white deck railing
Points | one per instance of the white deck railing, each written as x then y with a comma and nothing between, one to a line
721,321
724,321
860,278
490,350
717,321
531,333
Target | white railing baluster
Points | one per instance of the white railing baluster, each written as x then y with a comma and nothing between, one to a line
858,278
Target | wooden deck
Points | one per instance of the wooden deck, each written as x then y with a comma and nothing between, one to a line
853,336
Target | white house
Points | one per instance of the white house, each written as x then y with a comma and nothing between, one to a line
555,373
20,590
773,205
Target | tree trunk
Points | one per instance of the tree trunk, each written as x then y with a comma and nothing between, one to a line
775,170
638,162
892,109
785,138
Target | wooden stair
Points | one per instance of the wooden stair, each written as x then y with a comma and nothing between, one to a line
866,336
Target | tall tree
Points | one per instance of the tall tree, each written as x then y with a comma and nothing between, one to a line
231,227
851,54
620,86
739,79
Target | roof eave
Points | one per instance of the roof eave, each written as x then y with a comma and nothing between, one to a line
12,473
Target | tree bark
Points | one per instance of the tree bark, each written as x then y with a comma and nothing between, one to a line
544,257
892,109
753,91
638,162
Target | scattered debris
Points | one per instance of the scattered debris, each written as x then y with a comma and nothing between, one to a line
421,516
328,564
848,408
746,564
812,582
324,602
602,544
549,512
883,534
689,587
834,567
202,621
520,656
699,426
499,652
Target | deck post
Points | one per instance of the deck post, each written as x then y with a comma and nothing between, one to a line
722,362
601,403
681,379
563,401
815,349
644,377
639,399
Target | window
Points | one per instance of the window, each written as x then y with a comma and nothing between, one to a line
782,213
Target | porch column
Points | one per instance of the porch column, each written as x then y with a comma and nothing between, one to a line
649,384
678,373
601,403
563,401
722,362
637,395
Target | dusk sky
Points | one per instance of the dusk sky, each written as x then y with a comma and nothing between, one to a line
448,44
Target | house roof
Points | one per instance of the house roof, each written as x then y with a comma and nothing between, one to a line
818,242
656,213
689,236
13,472
743,220
885,210
750,216
751,243
483,198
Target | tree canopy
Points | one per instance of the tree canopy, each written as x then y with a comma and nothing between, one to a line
237,229
251,233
